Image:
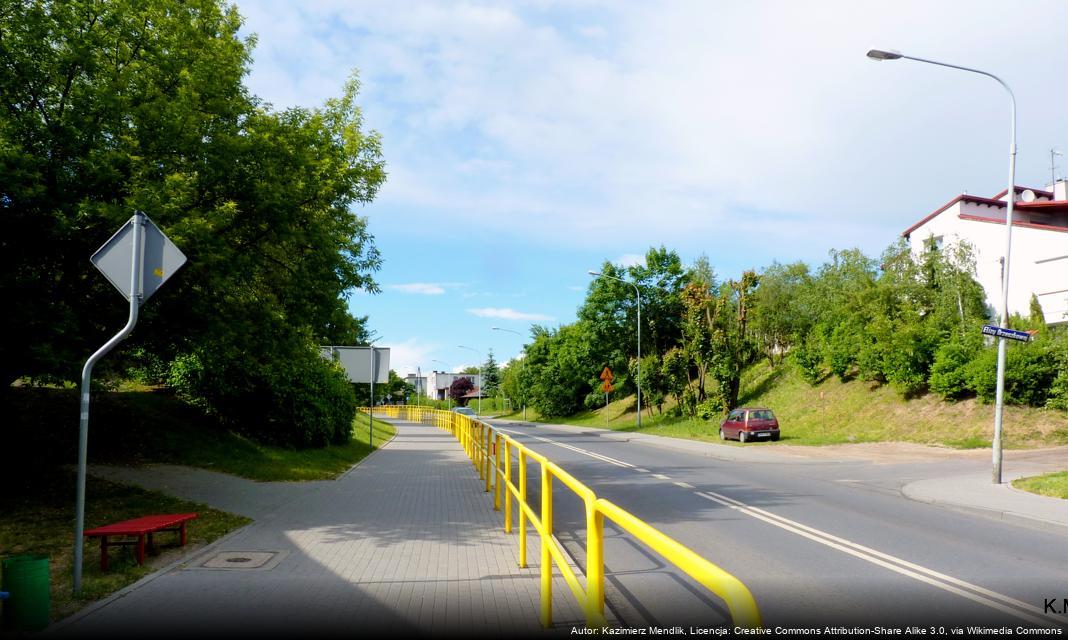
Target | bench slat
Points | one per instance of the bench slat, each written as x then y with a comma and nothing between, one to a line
140,526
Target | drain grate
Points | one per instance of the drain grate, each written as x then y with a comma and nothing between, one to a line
243,560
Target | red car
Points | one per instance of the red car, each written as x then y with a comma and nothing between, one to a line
750,423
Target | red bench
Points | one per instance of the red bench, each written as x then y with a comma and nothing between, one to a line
141,528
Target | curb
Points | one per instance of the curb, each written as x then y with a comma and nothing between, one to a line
366,457
1053,526
90,609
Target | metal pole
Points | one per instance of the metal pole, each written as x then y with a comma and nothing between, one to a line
1011,199
639,293
87,372
371,413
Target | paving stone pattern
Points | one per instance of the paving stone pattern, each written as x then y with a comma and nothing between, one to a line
407,543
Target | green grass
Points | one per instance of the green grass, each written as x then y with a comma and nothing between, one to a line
38,518
836,412
144,426
129,427
1051,484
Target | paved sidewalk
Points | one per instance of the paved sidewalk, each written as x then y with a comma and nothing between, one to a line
406,543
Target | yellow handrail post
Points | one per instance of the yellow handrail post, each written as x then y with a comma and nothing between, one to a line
546,535
507,487
497,472
522,511
487,440
594,565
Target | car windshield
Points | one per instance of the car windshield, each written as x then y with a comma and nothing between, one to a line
762,414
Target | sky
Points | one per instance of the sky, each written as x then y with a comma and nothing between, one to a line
527,143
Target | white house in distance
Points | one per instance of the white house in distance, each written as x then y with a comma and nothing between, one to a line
1039,260
438,383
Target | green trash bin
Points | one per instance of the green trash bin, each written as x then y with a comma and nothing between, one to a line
29,600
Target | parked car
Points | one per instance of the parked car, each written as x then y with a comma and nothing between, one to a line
467,411
750,423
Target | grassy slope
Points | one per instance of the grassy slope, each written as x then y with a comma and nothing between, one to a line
855,411
143,426
130,427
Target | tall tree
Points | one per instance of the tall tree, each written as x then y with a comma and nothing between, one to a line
111,107
491,375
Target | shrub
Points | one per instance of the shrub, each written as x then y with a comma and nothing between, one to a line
294,399
1030,371
807,359
949,373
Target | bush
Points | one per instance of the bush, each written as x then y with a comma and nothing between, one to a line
949,373
710,409
807,359
1030,371
296,399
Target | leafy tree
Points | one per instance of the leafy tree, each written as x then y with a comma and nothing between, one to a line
781,315
111,107
459,388
491,375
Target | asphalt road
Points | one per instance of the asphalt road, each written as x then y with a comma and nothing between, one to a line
817,543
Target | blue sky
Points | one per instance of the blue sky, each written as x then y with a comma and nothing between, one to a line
529,142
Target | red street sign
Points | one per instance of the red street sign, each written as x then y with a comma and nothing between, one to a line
606,375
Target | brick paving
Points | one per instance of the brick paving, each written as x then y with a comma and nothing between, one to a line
407,542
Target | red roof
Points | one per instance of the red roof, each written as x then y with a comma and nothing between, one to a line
1059,205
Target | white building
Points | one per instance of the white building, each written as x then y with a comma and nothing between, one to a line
438,383
1039,260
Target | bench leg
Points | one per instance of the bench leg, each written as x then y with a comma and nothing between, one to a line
182,534
140,550
151,546
103,553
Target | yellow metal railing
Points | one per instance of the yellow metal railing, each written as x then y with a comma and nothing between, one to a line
492,453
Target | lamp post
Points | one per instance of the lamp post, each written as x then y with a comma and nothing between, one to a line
876,54
524,364
371,411
479,377
637,292
447,396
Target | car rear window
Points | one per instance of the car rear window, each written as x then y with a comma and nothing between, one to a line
763,414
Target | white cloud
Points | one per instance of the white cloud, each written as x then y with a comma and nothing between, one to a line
407,356
630,260
421,288
683,124
509,314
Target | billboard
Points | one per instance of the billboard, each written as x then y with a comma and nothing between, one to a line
356,361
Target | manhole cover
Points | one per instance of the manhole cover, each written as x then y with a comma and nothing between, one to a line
242,560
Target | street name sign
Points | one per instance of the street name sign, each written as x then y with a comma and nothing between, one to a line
1002,332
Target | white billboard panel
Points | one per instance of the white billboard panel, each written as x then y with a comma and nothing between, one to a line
356,361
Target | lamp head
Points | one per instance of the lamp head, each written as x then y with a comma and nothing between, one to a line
594,273
879,54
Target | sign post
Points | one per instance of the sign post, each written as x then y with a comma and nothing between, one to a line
138,259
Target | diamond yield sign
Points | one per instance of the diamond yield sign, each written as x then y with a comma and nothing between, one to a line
159,259
607,376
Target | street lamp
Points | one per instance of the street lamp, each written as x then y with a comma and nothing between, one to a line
479,377
447,396
638,382
876,54
523,364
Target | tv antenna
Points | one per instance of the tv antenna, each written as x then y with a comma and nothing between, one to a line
1053,153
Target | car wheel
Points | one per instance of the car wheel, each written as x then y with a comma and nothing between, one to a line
741,437
775,438
722,436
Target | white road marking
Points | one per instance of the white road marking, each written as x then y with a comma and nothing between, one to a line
942,581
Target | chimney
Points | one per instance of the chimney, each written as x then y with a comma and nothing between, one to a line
1060,190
